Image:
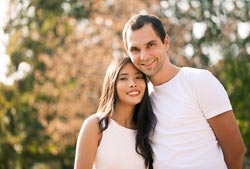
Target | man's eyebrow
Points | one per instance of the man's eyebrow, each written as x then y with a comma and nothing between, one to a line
152,41
149,42
133,47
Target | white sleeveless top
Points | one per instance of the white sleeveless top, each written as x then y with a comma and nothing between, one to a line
117,149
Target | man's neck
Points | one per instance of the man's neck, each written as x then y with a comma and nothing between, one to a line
164,75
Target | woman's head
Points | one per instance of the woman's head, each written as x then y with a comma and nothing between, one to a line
122,82
143,117
130,86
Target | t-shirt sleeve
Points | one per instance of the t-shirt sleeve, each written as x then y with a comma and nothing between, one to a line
212,96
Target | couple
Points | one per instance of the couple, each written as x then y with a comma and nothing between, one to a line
193,124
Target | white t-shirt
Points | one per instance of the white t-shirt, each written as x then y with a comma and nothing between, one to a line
117,149
183,138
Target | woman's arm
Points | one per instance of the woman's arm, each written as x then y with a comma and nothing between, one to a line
87,143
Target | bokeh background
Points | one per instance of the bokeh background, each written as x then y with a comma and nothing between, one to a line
54,55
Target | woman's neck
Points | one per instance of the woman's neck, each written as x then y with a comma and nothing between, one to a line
123,115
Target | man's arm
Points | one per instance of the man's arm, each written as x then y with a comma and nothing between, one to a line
228,134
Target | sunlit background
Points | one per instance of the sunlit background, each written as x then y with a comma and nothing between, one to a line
4,59
53,56
199,29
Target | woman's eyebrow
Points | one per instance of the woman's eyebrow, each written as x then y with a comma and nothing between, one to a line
123,74
138,72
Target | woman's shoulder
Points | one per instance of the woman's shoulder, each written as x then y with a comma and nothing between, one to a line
93,119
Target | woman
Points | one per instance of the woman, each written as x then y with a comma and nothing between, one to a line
118,135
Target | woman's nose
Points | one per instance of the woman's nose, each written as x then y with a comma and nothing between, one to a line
132,83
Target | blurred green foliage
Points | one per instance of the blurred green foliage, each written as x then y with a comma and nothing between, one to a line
67,45
235,75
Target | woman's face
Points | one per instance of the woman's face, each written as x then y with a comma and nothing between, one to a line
130,85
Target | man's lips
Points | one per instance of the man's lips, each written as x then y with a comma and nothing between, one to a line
148,63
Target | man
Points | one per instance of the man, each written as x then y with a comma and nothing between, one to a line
196,126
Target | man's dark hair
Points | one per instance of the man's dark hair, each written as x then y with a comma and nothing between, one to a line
138,21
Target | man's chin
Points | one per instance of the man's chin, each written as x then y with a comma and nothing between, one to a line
148,72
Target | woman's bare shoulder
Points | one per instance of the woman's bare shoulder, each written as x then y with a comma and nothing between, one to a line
92,121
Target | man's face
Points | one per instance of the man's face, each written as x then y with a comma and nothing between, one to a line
146,50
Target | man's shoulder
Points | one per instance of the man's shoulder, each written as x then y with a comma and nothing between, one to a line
193,71
194,76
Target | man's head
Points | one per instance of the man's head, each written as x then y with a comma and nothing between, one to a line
138,21
146,43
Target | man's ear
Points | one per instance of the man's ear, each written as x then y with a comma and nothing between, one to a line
166,42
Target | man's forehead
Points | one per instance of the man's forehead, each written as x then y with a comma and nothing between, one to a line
146,26
141,36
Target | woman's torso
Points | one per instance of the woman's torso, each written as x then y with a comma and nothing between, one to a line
117,149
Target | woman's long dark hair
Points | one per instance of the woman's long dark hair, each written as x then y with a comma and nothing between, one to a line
143,118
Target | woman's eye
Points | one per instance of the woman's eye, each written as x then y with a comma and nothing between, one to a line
139,77
123,78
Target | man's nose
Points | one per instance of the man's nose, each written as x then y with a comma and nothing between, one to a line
144,55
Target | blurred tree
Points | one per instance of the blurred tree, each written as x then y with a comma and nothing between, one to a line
32,127
236,77
60,50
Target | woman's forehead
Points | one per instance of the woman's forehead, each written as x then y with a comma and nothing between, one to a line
129,68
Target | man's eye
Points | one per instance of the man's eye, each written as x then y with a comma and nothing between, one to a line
150,45
134,50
